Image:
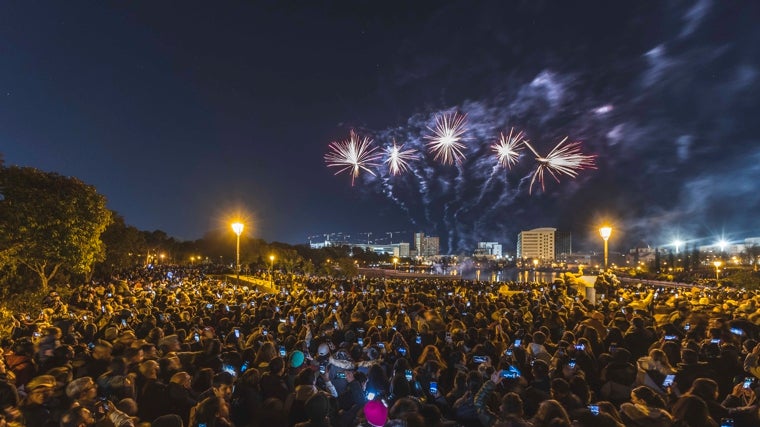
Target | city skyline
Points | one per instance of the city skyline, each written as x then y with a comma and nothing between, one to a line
184,117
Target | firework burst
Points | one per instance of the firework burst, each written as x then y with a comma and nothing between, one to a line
562,160
507,149
398,159
445,142
354,154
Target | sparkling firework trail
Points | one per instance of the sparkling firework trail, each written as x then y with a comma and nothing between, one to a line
445,142
562,160
398,159
507,149
354,154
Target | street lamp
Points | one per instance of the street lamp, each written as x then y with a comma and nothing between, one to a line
677,243
717,265
535,269
395,263
237,227
605,232
271,267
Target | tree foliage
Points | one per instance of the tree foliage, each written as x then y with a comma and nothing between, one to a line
49,222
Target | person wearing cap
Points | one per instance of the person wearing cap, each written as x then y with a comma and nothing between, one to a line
83,392
35,406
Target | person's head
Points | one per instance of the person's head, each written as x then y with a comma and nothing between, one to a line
210,409
277,366
128,406
40,389
646,396
705,388
560,388
102,350
511,405
77,417
691,410
306,377
182,378
83,389
317,408
549,410
223,385
149,369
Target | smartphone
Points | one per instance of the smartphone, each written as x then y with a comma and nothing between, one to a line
671,338
517,343
418,340
283,352
341,375
686,327
360,341
594,409
380,345
408,374
726,422
402,351
370,395
92,346
264,332
433,387
668,381
237,333
244,367
715,341
580,347
737,331
571,363
229,369
508,374
277,308
197,337
508,352
448,337
124,322
479,359
292,319
322,368
748,382
209,306
83,317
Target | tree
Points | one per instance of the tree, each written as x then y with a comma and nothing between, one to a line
125,246
49,222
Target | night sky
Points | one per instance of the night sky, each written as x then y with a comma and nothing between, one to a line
182,113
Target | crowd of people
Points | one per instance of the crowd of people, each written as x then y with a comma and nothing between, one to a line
171,346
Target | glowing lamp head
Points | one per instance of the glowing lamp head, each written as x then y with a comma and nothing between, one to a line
717,264
535,261
271,257
237,227
605,232
722,245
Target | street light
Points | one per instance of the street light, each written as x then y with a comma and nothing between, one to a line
605,232
395,263
237,227
535,271
677,243
271,267
717,265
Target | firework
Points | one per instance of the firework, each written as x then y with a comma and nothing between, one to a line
507,149
354,154
398,159
562,160
445,142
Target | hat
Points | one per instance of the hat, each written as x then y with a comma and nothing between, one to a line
41,381
76,387
296,359
376,413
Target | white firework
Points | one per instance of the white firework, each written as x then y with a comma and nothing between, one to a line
398,159
508,148
445,142
354,154
562,160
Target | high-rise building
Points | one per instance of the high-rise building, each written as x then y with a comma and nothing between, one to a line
544,244
563,245
426,245
489,249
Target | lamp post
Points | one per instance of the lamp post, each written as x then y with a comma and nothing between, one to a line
717,265
535,269
395,263
605,233
237,227
271,268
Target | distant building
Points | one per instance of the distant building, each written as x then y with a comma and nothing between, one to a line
426,246
488,249
403,250
544,244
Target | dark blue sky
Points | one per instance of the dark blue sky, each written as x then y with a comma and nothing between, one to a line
183,112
